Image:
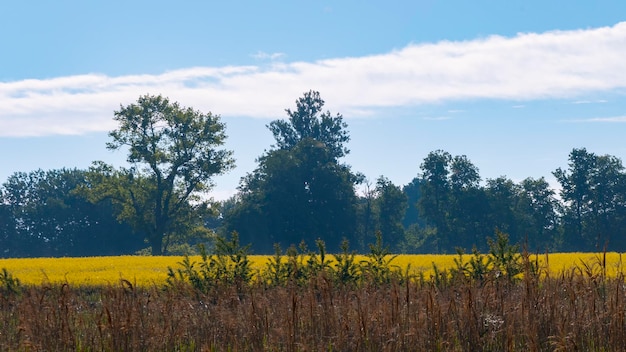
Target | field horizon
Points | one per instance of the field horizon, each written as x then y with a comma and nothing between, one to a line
152,270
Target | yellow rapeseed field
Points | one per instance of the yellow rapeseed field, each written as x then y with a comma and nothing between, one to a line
142,270
152,270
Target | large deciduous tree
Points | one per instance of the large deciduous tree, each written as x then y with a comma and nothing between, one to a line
299,191
174,153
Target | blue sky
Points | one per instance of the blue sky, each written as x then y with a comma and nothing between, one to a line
514,85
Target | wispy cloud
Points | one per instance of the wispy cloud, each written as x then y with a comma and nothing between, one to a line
558,64
261,55
614,119
436,118
600,101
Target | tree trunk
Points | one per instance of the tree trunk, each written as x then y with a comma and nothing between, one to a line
156,242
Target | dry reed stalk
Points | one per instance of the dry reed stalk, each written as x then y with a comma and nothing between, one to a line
572,311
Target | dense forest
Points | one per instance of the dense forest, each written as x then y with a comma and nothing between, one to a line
300,192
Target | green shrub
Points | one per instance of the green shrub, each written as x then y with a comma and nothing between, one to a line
8,282
229,265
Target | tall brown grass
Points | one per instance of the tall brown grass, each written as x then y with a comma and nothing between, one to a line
577,310
502,301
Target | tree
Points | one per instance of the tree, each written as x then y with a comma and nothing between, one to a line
413,193
538,214
502,195
299,191
608,189
391,204
173,153
366,215
8,235
309,122
463,174
419,237
576,189
593,190
50,219
434,203
452,201
468,210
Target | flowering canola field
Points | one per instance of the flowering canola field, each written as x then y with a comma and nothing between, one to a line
152,270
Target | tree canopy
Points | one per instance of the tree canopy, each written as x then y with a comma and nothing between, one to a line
594,189
309,121
299,191
43,216
174,154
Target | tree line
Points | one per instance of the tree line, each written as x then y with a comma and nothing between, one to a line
300,192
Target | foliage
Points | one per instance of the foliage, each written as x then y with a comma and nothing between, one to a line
452,201
506,258
229,265
539,211
301,267
346,270
391,203
46,217
278,271
237,264
312,264
504,261
419,240
593,188
435,197
412,216
8,283
173,153
377,268
477,268
299,191
309,121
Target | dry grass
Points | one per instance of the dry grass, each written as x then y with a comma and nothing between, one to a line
575,310
318,303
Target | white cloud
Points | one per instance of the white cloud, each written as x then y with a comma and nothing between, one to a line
261,55
558,64
436,118
614,119
600,101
